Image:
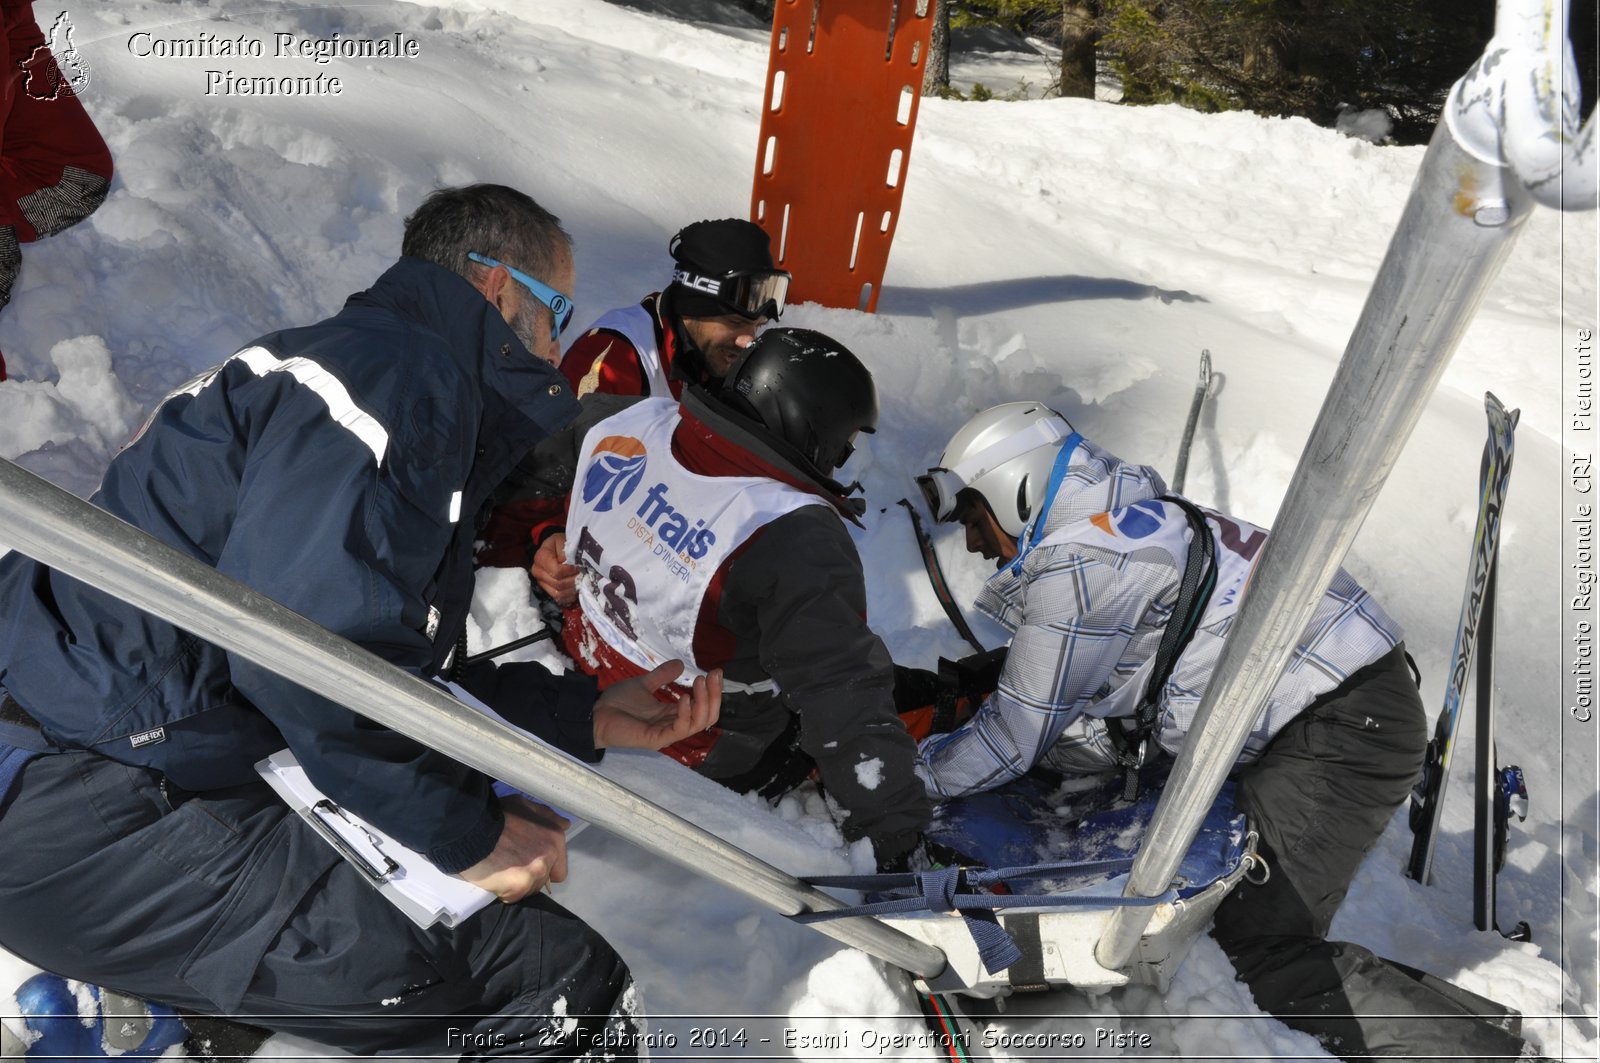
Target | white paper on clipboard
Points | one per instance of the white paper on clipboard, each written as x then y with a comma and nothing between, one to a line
411,883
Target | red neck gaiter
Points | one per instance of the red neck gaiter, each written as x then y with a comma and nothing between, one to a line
704,452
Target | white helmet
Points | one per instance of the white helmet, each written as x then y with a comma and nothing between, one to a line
1005,454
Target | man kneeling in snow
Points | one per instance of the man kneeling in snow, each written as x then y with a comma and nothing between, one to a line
714,531
337,468
1093,555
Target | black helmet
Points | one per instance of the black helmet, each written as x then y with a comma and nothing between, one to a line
807,390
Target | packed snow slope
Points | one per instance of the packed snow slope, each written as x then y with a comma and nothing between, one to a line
1066,250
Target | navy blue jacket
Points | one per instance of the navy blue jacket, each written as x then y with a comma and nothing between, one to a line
338,469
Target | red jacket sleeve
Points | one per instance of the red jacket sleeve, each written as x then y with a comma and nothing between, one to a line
515,530
602,360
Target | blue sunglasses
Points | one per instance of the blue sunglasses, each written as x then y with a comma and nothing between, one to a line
560,305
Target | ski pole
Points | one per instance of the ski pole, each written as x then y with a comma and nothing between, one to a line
1201,388
941,587
506,647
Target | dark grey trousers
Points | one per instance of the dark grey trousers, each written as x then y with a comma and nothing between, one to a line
1320,795
226,903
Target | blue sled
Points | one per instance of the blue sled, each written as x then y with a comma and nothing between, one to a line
1043,820
1037,819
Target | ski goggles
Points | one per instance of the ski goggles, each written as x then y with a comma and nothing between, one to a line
750,293
560,305
939,486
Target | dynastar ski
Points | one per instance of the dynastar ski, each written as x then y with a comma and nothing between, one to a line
1428,797
1496,787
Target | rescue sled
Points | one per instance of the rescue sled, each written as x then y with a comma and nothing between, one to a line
1055,856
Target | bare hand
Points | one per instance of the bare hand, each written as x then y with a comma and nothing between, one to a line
629,716
552,573
531,852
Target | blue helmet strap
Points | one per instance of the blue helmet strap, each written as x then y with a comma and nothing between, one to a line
1033,531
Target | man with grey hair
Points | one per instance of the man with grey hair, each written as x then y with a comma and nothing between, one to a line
340,469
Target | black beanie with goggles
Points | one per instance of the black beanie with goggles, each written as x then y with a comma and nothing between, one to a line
725,267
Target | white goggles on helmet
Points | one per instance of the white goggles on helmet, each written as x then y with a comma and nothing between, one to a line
940,486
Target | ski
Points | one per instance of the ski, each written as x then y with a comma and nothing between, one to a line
941,588
1202,388
1496,786
1428,796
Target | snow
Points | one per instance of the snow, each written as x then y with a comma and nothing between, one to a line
1066,250
1373,125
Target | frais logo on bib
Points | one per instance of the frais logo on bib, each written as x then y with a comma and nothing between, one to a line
1138,521
673,525
614,477
618,467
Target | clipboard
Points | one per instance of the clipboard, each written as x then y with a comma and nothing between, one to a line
425,894
411,883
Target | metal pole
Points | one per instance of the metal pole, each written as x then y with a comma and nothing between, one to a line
80,540
1464,211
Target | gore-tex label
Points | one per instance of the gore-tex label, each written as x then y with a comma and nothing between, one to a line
149,737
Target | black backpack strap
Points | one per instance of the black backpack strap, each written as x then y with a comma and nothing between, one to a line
1416,673
19,729
1194,592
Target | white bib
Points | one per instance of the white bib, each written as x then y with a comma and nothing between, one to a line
647,535
639,328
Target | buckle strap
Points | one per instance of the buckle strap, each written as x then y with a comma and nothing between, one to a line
949,889
1194,594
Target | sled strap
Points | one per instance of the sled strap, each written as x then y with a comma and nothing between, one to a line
1028,972
949,889
979,877
1194,594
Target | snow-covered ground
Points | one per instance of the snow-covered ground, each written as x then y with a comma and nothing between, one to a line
1067,250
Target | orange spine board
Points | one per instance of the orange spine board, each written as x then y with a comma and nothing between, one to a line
844,81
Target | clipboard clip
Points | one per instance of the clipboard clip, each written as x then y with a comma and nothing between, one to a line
375,865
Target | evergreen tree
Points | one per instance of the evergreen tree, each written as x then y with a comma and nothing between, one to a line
1079,32
1074,25
1312,58
1299,57
936,72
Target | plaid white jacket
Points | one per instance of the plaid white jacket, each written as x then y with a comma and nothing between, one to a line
1087,607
